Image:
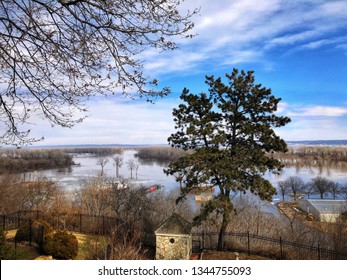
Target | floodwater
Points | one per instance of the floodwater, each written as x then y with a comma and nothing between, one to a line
87,167
152,173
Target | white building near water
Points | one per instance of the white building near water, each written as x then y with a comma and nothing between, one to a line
324,210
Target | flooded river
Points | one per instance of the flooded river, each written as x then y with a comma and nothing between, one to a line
148,174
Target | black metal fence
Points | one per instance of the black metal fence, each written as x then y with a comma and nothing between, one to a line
246,242
83,223
274,248
33,235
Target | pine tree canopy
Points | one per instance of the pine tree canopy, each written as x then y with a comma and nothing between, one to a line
229,135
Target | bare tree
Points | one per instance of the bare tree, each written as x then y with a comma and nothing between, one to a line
12,198
137,166
40,194
125,246
131,165
118,161
93,197
321,185
343,191
295,184
335,189
309,189
56,54
102,162
283,189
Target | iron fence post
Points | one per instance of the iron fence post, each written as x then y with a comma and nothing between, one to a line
248,244
18,221
222,241
103,225
30,232
41,232
281,248
3,222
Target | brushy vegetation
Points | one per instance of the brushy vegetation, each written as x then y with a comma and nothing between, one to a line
30,232
321,157
97,151
129,239
38,231
41,194
61,245
6,250
138,211
19,161
25,160
162,155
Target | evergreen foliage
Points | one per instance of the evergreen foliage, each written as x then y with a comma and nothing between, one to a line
37,231
230,133
25,232
62,246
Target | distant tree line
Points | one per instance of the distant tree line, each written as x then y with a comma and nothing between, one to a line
159,154
19,161
97,151
321,157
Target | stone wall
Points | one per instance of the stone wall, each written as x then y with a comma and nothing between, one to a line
173,247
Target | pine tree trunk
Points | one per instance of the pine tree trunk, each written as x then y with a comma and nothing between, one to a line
226,219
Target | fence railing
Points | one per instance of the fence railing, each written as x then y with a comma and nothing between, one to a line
246,242
275,248
34,235
83,223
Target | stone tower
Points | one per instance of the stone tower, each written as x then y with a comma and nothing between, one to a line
174,239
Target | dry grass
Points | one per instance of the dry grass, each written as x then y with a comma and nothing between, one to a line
215,255
290,209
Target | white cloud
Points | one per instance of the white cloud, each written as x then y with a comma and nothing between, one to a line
229,33
313,129
115,120
232,32
319,111
313,122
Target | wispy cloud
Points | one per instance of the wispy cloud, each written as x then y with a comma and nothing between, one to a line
115,120
313,122
233,32
313,129
319,111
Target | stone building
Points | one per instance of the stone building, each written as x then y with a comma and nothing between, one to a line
174,239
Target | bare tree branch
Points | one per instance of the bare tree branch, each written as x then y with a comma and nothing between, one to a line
54,55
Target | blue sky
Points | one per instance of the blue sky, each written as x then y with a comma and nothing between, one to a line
296,48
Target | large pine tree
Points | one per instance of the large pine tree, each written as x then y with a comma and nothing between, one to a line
230,135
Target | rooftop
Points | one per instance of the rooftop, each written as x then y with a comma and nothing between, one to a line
329,206
175,224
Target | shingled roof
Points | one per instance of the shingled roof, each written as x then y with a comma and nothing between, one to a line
174,225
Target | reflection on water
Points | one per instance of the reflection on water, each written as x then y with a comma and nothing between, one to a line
150,173
87,167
